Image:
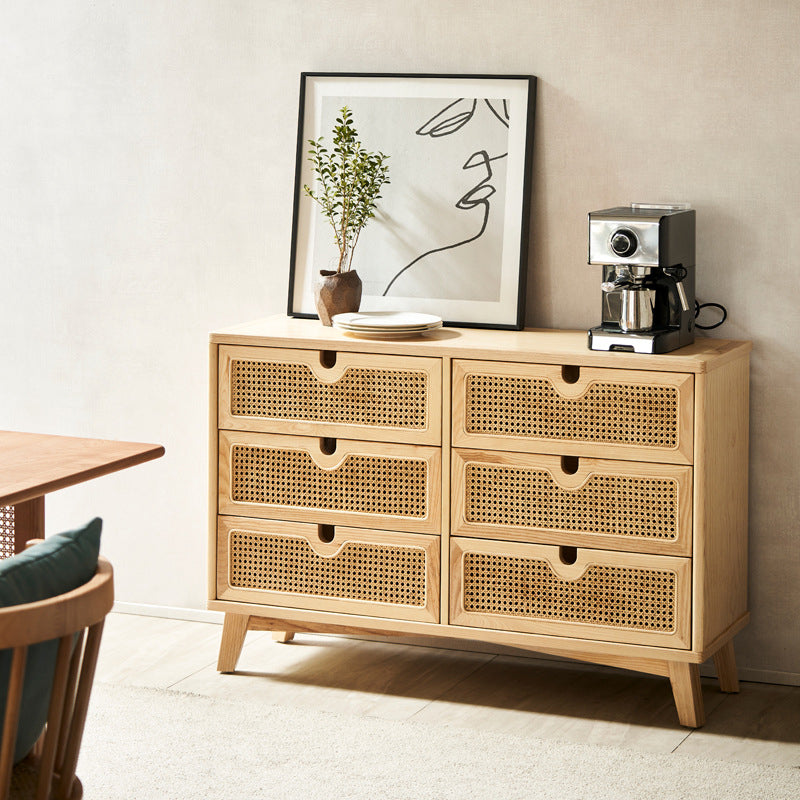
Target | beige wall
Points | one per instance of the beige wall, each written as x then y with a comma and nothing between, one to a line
146,168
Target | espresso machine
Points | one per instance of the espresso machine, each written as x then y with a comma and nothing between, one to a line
648,259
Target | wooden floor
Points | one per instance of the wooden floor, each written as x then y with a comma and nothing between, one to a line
439,686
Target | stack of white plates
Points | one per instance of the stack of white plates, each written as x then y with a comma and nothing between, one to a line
386,324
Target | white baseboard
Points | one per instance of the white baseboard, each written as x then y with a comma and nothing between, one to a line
169,612
216,617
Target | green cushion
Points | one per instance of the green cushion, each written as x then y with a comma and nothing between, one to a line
57,565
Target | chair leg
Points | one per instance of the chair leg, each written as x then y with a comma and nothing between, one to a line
57,697
284,637
234,629
686,689
16,681
725,662
67,765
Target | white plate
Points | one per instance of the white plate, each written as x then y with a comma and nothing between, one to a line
384,334
409,329
387,320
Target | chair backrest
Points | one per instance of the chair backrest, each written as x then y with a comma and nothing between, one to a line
75,619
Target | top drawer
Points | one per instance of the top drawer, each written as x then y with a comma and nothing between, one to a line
327,393
542,408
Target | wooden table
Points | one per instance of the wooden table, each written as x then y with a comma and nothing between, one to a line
33,464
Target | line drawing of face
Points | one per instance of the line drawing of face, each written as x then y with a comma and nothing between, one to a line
447,122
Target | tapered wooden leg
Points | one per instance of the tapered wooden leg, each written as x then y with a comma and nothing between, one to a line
282,636
234,629
725,662
685,680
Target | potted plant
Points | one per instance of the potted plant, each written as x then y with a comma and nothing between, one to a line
349,182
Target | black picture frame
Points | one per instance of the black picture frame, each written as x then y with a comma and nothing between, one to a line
462,138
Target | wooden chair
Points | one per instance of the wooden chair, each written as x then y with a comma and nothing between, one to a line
76,620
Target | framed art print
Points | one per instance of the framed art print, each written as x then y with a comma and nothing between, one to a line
450,233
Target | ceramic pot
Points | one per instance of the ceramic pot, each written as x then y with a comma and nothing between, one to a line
336,293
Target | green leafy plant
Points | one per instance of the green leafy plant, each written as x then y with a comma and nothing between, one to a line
350,181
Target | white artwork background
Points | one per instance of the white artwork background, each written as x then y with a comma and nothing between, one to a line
457,253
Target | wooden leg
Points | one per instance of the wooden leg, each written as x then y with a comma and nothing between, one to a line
234,629
28,522
282,636
725,662
685,680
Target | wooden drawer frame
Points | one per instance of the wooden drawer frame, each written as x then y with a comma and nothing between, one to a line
342,536
327,376
431,456
681,545
554,374
682,567
712,378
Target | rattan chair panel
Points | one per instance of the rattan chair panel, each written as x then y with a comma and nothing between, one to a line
634,598
640,415
369,396
367,484
365,571
616,505
7,529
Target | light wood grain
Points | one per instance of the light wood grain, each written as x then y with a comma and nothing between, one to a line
427,522
283,637
308,535
234,629
685,680
531,345
33,464
709,586
681,453
720,501
680,567
572,484
213,471
376,394
725,663
446,521
540,643
281,628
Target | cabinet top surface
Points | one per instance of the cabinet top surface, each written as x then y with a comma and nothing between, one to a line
531,345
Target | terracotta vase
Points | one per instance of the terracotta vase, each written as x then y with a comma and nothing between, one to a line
336,293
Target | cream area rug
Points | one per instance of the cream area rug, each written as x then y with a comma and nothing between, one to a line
146,744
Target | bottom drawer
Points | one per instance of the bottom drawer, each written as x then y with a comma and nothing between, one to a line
327,568
604,595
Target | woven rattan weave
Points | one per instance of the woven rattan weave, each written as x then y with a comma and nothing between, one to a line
6,531
375,573
529,407
364,484
608,504
622,597
386,398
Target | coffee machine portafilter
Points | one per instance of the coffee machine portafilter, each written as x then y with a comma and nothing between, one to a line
647,253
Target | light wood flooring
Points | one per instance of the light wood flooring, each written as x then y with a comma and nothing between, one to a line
441,686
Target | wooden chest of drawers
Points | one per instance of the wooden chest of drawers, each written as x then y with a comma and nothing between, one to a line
508,487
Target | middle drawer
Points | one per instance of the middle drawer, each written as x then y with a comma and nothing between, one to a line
366,484
587,502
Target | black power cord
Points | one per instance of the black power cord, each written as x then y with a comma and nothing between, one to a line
698,307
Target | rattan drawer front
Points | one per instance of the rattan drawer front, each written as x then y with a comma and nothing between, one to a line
646,416
604,595
360,396
367,484
359,571
619,505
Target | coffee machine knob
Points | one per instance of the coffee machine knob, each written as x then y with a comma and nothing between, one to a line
624,242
